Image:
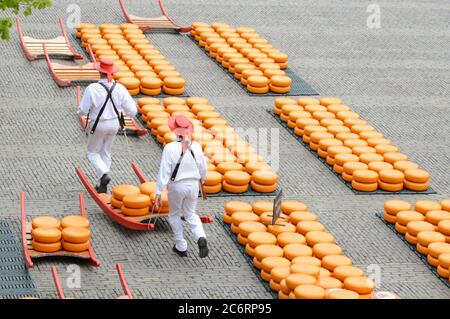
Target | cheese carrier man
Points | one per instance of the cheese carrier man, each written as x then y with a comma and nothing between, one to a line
183,168
104,103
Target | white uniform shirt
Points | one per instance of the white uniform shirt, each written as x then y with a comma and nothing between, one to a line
190,169
94,98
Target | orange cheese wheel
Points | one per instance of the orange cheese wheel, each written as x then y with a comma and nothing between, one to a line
120,191
294,250
46,235
289,206
264,251
444,227
436,216
364,187
135,211
365,176
286,238
281,227
445,204
436,249
424,206
136,201
400,228
277,274
343,272
330,262
366,135
148,188
227,219
237,178
330,100
425,238
361,284
263,188
248,227
417,226
261,238
391,176
411,239
381,166
294,280
329,283
213,178
45,222
309,260
151,83
405,165
258,81
390,187
115,203
304,122
309,292
240,217
324,249
384,149
355,143
265,177
417,175
308,101
214,189
422,249
307,269
404,217
174,82
341,159
394,157
76,235
346,136
46,247
262,207
351,167
392,207
316,237
418,187
237,206
130,83
297,216
341,294
269,263
77,248
332,151
148,101
443,272
305,227
444,260
367,158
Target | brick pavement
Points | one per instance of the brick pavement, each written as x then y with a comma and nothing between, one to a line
396,77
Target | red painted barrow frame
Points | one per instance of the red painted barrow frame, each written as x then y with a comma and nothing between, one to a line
31,254
126,290
133,223
165,17
32,57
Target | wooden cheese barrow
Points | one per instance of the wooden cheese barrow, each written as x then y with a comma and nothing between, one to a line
131,125
162,23
58,47
126,290
142,223
31,254
64,75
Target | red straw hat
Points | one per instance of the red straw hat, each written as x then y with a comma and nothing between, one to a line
181,126
106,66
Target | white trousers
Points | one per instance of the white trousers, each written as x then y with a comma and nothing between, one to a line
100,144
183,198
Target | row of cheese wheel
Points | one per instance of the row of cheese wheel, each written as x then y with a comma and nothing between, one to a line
136,201
50,235
143,69
427,226
233,165
250,58
362,155
297,256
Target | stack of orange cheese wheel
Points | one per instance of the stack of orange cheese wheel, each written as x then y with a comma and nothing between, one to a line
136,205
350,145
46,234
75,233
301,261
142,68
233,164
427,227
119,192
250,58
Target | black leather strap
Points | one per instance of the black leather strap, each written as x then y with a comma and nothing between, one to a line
177,167
108,98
